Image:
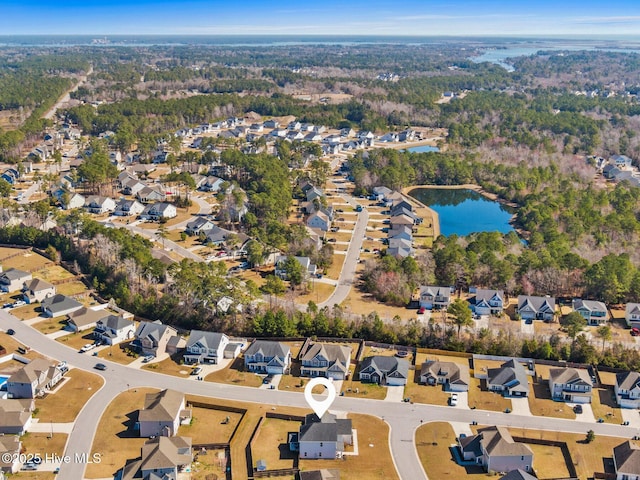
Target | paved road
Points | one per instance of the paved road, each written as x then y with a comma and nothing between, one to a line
403,418
168,244
348,272
67,95
205,209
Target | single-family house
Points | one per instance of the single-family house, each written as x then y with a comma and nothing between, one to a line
435,298
265,356
128,208
384,370
518,475
632,314
324,437
308,268
212,184
536,308
85,318
570,385
494,449
510,379
199,224
151,338
401,219
36,290
59,305
271,123
162,414
627,389
328,360
216,235
319,220
123,178
594,312
488,302
99,205
453,377
114,329
74,200
162,458
151,194
10,450
12,280
620,161
400,250
35,378
15,416
626,461
159,210
380,193
205,347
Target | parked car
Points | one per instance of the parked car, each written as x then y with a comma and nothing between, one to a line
421,310
100,366
577,409
148,358
19,303
196,371
334,229
453,399
7,305
11,331
635,331
29,466
87,347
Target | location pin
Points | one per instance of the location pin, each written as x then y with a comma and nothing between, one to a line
320,407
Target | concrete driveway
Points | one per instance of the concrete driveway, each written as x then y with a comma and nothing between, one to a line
520,406
463,401
632,416
526,327
394,393
587,412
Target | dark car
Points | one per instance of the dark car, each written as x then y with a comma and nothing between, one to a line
100,366
577,409
11,331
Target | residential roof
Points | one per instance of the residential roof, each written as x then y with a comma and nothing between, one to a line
472,444
498,441
13,419
166,452
388,366
324,474
435,291
210,340
325,429
487,294
268,349
11,444
569,375
31,371
331,351
154,330
115,322
450,370
510,374
38,284
60,303
161,406
86,316
632,309
518,475
591,305
537,304
627,458
627,380
13,274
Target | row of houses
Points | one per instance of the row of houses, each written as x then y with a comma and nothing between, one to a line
401,224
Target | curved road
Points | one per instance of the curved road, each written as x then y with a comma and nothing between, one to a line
403,418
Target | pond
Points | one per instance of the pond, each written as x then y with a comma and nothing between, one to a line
464,211
422,149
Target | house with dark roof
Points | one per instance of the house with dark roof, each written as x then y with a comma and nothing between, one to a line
328,360
626,461
432,297
518,475
536,308
151,194
324,437
265,356
37,290
159,210
384,370
570,385
12,280
510,379
454,377
205,347
594,312
199,224
162,414
85,318
627,389
99,205
151,338
162,458
488,302
128,208
114,329
35,378
632,314
324,474
494,449
59,305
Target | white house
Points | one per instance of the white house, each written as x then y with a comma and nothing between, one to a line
99,205
323,438
627,389
632,315
205,347
126,208
37,290
162,414
264,356
114,329
158,211
570,384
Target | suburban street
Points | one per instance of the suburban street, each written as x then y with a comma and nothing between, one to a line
403,418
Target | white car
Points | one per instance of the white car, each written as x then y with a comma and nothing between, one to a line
453,400
87,347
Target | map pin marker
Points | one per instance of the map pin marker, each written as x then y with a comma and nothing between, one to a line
320,407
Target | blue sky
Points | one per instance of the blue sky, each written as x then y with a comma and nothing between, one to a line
330,17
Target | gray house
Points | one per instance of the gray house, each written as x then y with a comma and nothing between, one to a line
37,290
12,280
626,461
35,378
205,347
161,458
510,379
627,389
594,312
59,305
328,360
323,438
536,308
432,297
488,302
264,356
151,338
384,370
570,385
494,449
454,377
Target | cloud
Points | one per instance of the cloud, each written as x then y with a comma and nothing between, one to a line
618,20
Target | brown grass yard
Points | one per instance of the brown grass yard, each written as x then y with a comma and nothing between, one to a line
318,293
11,345
603,403
361,303
356,388
118,353
548,462
540,402
43,444
65,404
209,425
271,445
53,273
432,394
72,288
334,270
235,374
50,325
482,399
29,261
293,382
26,312
433,441
374,461
75,341
170,366
115,438
607,378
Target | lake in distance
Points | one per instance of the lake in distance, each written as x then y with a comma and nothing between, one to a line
464,211
422,149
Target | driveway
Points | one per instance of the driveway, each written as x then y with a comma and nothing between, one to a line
520,406
463,401
526,327
394,393
632,416
586,415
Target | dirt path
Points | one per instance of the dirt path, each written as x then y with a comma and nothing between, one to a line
66,96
